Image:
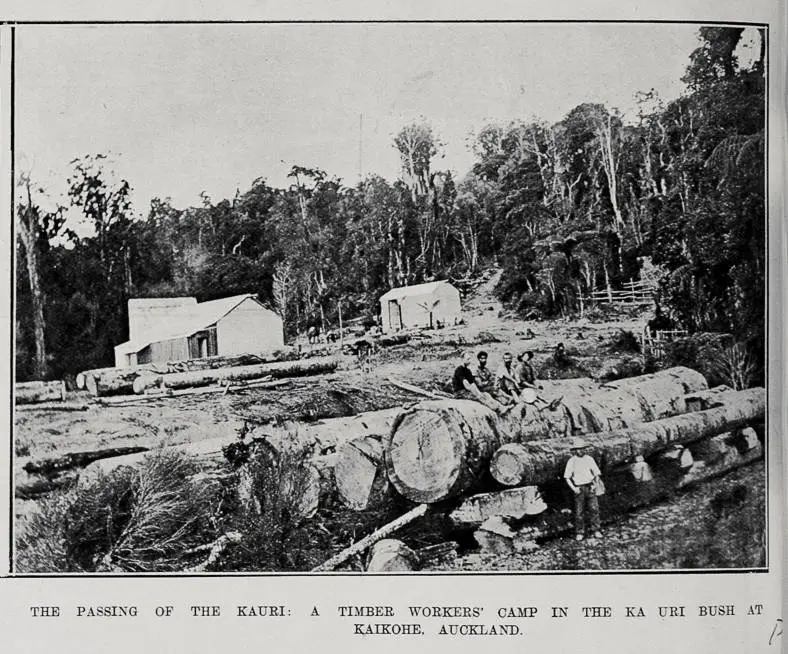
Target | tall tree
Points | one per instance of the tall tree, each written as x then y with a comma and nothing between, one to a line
36,226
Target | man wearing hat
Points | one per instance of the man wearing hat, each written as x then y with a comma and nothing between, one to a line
581,476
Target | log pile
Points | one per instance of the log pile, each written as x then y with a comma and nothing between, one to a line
103,382
190,365
440,449
197,378
650,435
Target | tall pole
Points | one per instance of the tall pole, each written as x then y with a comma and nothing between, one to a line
341,332
360,146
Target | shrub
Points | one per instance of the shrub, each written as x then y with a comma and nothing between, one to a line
624,341
272,490
698,352
143,519
734,365
40,546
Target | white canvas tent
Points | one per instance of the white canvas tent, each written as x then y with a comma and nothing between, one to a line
422,305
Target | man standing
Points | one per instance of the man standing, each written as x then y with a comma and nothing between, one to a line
582,475
465,387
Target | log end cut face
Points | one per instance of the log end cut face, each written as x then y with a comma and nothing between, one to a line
508,465
425,457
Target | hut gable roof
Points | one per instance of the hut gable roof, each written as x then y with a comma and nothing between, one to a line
402,292
186,320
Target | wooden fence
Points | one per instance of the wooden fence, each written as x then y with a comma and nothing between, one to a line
654,344
633,293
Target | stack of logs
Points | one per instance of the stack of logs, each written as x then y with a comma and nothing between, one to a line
485,470
198,373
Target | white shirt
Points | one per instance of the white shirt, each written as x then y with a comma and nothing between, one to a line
581,470
503,373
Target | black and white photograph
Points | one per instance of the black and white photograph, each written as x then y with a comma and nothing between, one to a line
374,298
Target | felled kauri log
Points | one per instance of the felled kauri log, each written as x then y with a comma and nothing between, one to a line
515,464
224,375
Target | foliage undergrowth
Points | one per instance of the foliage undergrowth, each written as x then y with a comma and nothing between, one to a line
142,519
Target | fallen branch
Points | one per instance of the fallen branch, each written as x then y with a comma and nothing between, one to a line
373,538
36,485
216,549
73,460
434,395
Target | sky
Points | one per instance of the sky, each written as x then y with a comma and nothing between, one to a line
190,108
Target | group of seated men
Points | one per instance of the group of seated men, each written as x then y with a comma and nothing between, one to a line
500,390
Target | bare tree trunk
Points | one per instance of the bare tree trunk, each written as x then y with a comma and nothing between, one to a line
28,227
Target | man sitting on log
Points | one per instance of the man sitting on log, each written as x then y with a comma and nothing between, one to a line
525,374
582,475
484,377
506,379
465,387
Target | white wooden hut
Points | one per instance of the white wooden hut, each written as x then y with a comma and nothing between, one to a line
422,305
175,329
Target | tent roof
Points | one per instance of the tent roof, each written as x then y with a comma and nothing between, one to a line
186,320
412,291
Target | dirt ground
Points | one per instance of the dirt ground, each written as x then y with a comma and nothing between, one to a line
686,531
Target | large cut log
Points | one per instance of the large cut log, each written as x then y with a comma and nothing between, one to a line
276,370
690,380
439,449
299,489
114,381
327,436
56,465
205,363
629,402
532,463
359,473
39,391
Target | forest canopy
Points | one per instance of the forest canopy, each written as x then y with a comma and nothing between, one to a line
585,203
